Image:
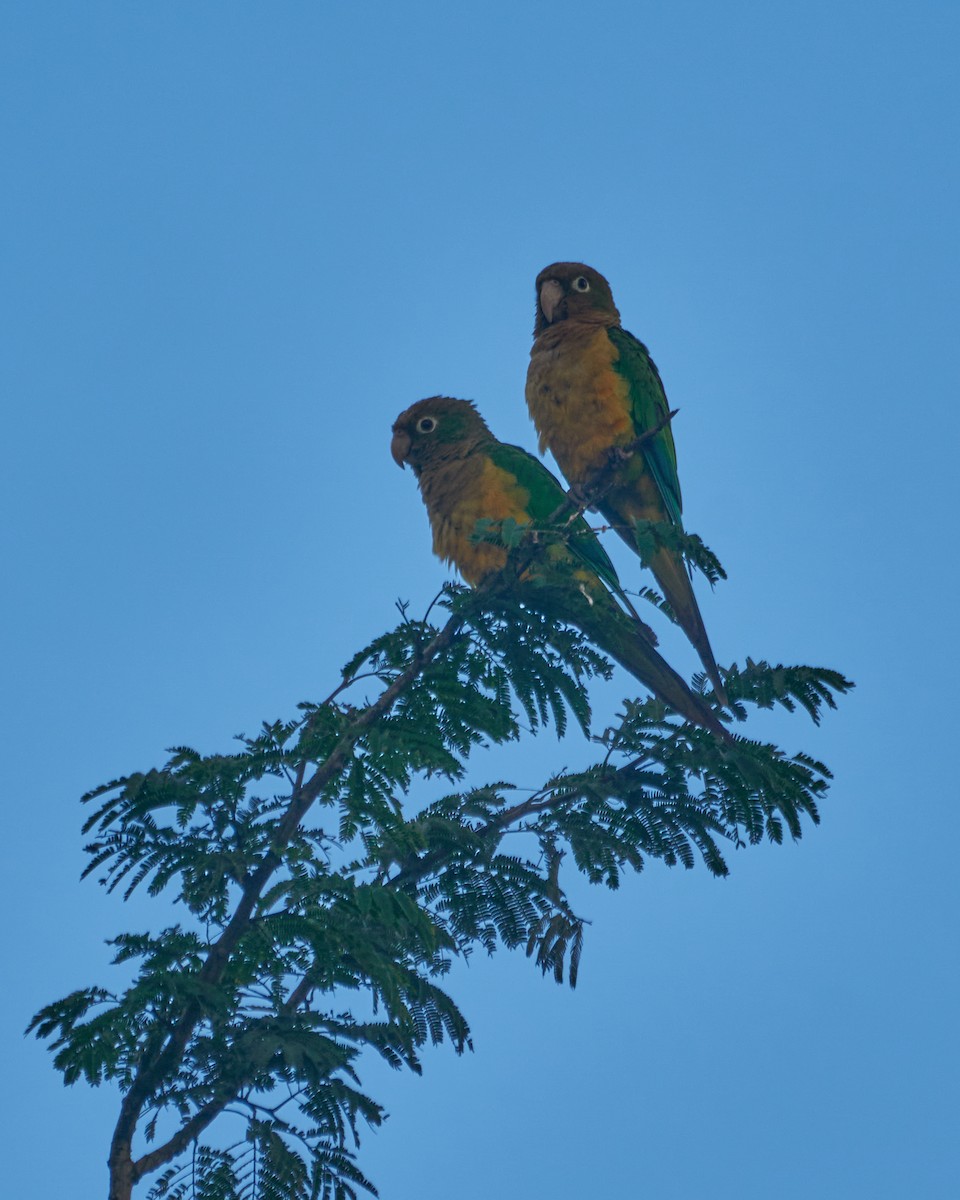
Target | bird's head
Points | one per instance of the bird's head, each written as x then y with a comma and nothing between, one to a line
437,430
571,291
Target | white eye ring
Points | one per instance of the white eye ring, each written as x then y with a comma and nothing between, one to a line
426,425
581,284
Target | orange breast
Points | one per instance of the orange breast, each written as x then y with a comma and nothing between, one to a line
463,499
579,403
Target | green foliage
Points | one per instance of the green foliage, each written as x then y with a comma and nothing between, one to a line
265,1166
322,907
652,536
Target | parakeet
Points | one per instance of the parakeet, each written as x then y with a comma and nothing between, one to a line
593,387
466,475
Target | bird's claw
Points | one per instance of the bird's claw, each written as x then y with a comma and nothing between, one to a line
581,494
617,456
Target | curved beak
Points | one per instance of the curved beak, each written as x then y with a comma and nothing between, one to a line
551,293
400,447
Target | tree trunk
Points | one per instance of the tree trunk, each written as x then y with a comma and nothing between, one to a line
121,1172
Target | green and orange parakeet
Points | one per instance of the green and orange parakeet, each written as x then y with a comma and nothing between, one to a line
466,476
592,387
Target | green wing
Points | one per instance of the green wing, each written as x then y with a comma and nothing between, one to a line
546,496
649,406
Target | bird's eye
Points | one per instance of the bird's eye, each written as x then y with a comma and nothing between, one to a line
581,284
426,425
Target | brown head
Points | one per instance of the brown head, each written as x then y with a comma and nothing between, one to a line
437,430
571,291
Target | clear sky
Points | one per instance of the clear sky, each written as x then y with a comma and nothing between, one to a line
238,238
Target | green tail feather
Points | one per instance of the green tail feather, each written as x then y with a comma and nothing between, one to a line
655,673
622,638
671,574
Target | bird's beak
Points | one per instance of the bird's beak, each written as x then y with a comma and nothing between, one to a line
551,293
400,446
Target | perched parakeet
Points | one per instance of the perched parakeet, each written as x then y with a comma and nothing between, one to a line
593,387
465,476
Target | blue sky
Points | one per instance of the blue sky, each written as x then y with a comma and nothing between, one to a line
238,239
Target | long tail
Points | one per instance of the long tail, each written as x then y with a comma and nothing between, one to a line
624,639
615,634
671,573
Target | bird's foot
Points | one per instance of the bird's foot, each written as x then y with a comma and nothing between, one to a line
581,495
618,455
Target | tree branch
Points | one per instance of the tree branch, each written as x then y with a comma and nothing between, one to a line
152,1069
